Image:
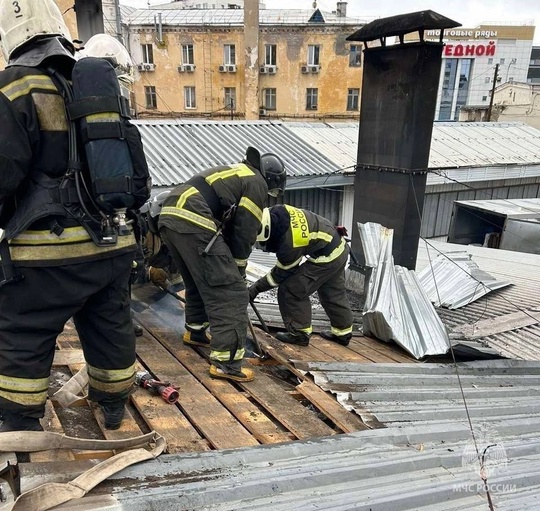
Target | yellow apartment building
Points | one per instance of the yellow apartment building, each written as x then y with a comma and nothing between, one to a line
245,64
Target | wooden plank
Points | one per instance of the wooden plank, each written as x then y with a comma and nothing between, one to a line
498,325
253,419
216,423
388,349
337,351
293,415
65,357
51,423
347,421
367,351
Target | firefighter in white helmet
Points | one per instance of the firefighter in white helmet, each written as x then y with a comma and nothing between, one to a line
52,271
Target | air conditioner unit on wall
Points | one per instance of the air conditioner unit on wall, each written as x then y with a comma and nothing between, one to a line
313,107
189,68
146,67
305,70
262,111
181,69
272,70
314,69
222,69
231,68
263,70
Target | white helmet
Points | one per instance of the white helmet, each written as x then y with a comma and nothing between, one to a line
25,20
106,46
266,225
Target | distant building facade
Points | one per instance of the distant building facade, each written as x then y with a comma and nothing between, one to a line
469,59
533,75
200,63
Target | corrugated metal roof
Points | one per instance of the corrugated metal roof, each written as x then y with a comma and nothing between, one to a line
396,306
178,149
235,17
453,145
512,208
454,280
522,271
410,468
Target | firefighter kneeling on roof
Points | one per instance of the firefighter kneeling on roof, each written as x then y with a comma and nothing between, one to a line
210,224
67,181
294,234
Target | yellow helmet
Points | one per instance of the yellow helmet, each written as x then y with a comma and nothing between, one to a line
25,20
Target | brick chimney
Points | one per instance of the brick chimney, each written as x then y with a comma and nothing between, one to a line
341,10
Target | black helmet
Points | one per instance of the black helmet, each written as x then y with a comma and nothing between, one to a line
273,170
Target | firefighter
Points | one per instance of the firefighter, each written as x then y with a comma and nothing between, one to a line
210,224
311,256
52,270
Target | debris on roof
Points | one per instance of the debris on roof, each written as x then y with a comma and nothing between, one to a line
397,307
453,280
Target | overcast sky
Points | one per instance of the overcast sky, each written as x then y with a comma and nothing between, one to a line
467,12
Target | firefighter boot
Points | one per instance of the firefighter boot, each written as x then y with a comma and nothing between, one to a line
13,421
340,339
197,338
113,413
227,373
300,338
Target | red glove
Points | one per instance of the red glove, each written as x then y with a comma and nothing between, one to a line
342,231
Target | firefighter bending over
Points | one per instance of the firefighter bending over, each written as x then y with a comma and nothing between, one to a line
59,259
294,234
210,224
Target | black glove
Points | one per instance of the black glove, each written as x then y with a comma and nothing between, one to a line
253,292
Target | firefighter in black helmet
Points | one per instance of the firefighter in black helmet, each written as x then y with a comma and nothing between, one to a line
210,224
311,257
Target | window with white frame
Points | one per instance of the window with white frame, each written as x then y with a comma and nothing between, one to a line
270,55
314,55
147,53
187,54
229,54
270,99
150,96
353,97
230,98
312,99
189,98
355,56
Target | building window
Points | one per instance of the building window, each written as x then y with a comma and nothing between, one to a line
484,98
270,55
312,96
314,55
502,61
189,97
229,54
187,54
150,96
488,79
352,100
147,53
355,57
270,99
490,60
230,97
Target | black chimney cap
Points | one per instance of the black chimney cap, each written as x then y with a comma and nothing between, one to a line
402,24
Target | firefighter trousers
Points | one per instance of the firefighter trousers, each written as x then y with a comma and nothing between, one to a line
216,293
34,311
328,280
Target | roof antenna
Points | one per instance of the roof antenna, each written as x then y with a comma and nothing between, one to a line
314,5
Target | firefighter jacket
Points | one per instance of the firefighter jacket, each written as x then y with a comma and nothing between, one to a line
233,195
296,234
33,159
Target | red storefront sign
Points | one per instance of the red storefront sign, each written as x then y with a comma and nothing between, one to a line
467,50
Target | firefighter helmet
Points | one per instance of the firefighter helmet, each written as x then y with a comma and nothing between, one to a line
107,47
271,167
26,20
152,209
266,226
